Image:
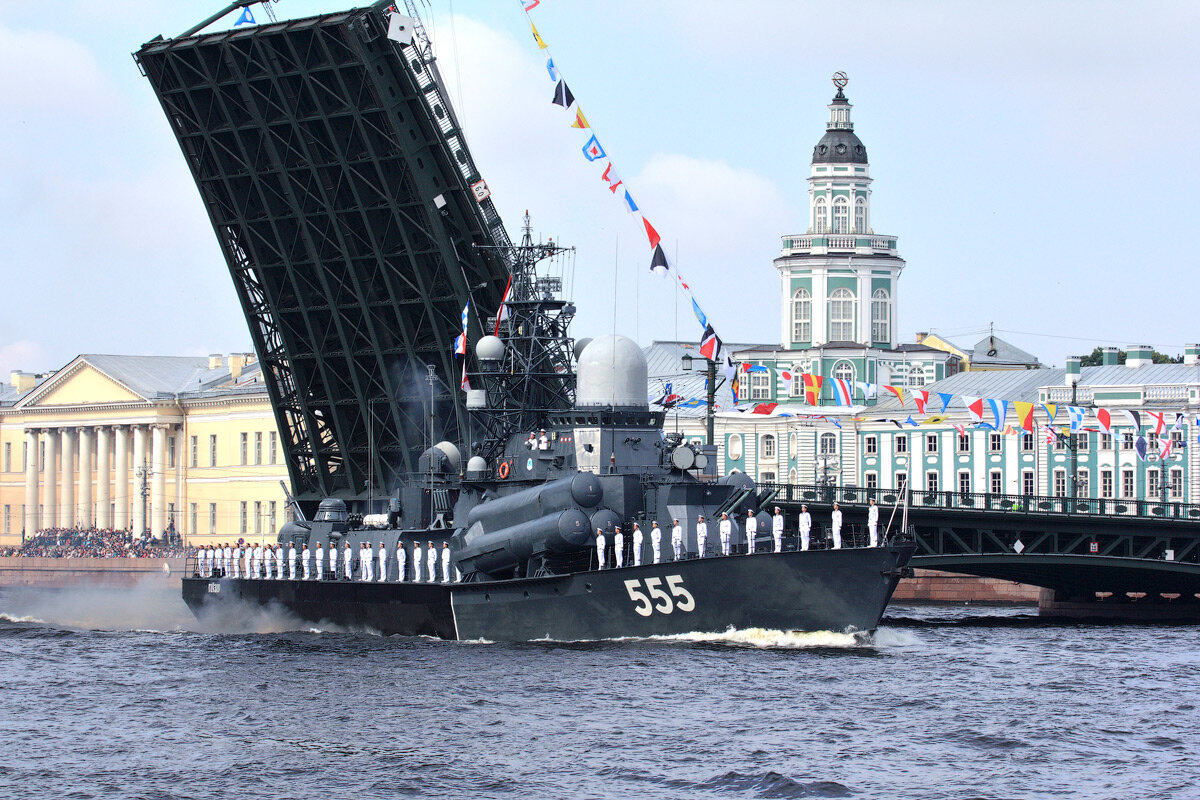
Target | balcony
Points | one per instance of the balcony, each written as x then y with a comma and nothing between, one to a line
823,243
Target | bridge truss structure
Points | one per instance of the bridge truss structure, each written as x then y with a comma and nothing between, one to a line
355,226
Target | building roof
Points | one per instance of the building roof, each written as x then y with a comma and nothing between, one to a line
664,364
839,145
153,376
1005,384
994,350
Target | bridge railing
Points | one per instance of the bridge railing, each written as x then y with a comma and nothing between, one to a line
983,501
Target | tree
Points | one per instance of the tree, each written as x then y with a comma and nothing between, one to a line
1096,358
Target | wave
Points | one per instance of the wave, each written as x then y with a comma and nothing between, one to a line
19,619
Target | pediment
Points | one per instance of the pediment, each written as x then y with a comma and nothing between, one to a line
77,385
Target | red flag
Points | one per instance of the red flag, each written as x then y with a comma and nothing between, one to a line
651,234
922,397
710,344
765,408
502,314
812,388
1105,420
1159,420
466,383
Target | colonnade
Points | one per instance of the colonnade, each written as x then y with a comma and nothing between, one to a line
103,498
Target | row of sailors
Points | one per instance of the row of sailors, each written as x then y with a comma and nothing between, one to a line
257,561
725,531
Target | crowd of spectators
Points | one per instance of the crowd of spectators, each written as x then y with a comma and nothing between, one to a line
92,543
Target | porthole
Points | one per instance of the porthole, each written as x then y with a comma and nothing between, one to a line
841,148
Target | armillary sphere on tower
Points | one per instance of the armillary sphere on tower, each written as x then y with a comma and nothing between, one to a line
840,79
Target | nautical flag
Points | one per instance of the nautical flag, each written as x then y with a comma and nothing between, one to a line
693,402
581,121
613,180
1024,415
553,70
734,386
786,377
1051,436
936,419
898,392
1076,416
843,395
460,343
562,95
921,397
465,384
728,369
962,431
999,411
911,421
658,264
710,344
502,313
1179,420
246,18
1159,418
1141,446
630,206
1164,448
869,390
764,408
669,399
1135,418
834,420
529,5
754,368
1051,410
1105,420
537,37
974,408
812,388
701,317
651,234
946,397
592,151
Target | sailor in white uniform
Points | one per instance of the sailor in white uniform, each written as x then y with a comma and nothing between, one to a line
701,536
677,540
600,547
543,440
333,557
777,529
365,559
618,547
725,528
431,559
445,562
278,562
382,562
292,561
237,557
751,531
228,567
348,562
255,553
656,541
401,558
531,442
638,539
305,559
320,561
873,522
836,519
416,562
805,527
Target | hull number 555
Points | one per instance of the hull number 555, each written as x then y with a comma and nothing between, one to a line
650,596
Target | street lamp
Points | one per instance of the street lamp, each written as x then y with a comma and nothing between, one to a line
686,362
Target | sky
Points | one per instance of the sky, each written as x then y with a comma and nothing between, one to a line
1037,162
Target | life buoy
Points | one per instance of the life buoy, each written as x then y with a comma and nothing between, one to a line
503,471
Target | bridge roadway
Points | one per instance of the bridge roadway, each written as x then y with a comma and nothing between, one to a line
1096,555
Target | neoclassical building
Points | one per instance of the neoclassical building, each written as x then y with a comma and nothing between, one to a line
144,443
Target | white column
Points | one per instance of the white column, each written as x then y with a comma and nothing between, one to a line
140,462
121,477
50,481
66,492
84,514
103,477
158,483
31,481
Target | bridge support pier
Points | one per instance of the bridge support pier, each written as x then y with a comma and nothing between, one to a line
1129,607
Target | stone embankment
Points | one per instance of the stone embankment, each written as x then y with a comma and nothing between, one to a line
930,586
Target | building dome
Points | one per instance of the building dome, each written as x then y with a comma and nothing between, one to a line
839,146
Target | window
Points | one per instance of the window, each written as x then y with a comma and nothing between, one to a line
1106,483
8,456
766,477
841,215
1176,483
802,316
7,518
916,376
242,517
1060,483
1126,483
760,389
931,481
901,481
996,481
258,516
1027,487
860,215
1127,441
995,442
1026,441
841,316
1176,438
171,451
1084,484
792,475
902,443
1153,488
192,517
244,446
871,445
194,458
820,216
1106,441
1060,441
931,443
881,316
828,444
964,442
212,450
258,455
872,480
1081,442
964,482
41,459
212,518
272,446
768,446
844,371
24,456
1152,443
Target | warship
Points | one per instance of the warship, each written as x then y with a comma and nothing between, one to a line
355,224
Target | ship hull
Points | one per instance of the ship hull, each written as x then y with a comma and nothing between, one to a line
838,590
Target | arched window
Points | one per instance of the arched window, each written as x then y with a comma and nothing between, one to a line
735,447
841,215
802,316
860,215
841,316
820,216
844,371
828,445
881,316
768,446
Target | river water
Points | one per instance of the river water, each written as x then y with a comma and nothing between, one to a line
120,693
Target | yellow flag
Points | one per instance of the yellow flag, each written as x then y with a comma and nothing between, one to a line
936,419
537,37
580,120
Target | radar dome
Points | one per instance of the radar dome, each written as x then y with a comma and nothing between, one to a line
580,344
476,465
612,372
489,348
451,452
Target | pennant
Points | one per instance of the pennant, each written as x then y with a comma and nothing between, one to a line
869,390
921,397
630,206
710,344
974,408
581,122
1180,419
999,411
553,70
537,37
529,5
834,420
842,393
613,180
1105,420
764,408
1076,416
466,383
911,421
693,402
1051,410
502,313
701,317
735,387
563,96
1024,415
651,234
945,397
592,151
962,431
1135,418
935,419
786,377
658,264
1159,418
812,388
246,18
728,369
